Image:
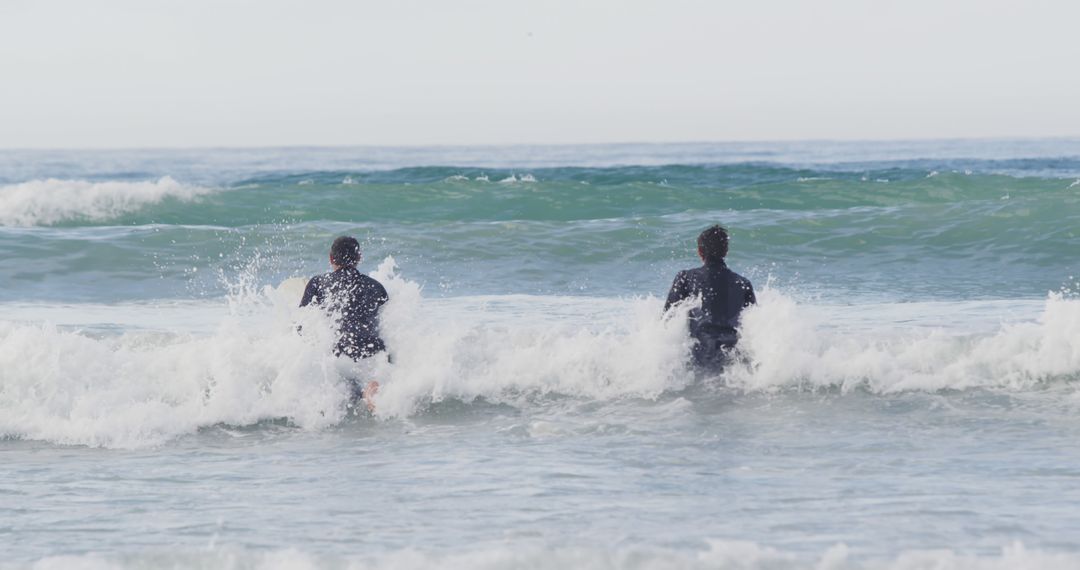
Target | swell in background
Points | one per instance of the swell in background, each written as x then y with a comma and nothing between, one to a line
863,231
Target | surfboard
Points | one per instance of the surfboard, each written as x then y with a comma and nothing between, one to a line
292,289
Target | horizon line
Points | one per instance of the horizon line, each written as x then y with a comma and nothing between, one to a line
984,139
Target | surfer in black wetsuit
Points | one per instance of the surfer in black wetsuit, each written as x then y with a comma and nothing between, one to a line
353,300
723,293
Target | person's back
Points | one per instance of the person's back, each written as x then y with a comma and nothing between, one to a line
354,300
723,293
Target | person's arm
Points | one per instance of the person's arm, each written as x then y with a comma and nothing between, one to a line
382,297
750,298
679,291
311,292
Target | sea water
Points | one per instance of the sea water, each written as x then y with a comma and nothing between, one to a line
906,398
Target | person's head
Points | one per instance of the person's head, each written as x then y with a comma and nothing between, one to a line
345,252
712,244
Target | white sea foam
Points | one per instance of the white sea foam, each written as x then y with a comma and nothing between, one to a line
718,555
437,358
517,179
608,349
51,201
603,349
143,388
789,346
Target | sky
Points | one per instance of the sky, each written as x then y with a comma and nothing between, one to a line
199,73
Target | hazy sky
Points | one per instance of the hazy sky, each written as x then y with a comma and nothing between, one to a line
119,73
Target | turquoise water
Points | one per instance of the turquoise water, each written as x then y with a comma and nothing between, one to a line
910,231
908,398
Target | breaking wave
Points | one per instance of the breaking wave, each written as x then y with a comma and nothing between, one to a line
52,201
147,387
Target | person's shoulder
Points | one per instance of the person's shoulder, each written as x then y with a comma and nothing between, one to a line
372,282
727,274
368,279
692,271
743,281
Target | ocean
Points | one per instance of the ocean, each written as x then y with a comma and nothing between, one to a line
906,398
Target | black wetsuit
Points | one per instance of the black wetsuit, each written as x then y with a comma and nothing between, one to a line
354,300
714,325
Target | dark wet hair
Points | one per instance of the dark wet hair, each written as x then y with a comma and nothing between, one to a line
713,244
345,251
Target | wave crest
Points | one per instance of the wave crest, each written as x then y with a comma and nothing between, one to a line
53,201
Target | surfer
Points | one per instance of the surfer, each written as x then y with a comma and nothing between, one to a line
353,300
723,294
